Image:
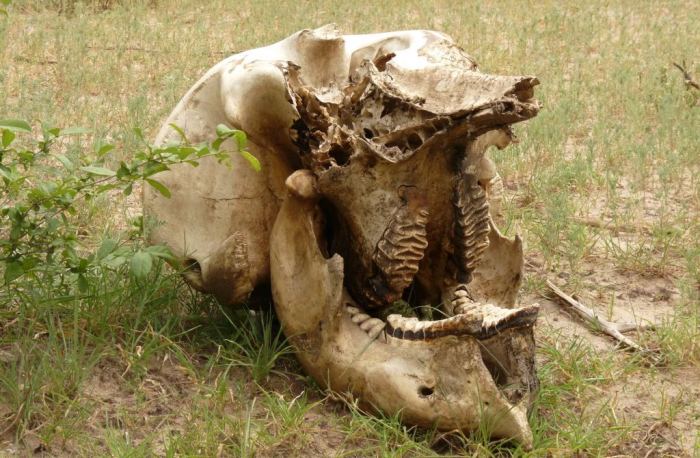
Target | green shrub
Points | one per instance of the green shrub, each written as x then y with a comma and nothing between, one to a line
44,186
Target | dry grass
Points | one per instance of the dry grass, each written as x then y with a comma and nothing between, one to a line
603,186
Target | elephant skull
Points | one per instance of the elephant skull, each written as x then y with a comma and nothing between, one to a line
370,219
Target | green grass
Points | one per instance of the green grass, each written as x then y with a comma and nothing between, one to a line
603,186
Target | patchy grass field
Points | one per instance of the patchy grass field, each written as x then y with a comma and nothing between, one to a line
604,186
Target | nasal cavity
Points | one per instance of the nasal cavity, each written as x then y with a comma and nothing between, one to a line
192,265
425,391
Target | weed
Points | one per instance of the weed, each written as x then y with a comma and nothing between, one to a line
257,345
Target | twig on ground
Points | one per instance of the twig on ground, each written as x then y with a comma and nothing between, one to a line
689,81
629,327
610,226
36,62
589,315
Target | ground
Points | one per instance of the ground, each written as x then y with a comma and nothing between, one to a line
603,187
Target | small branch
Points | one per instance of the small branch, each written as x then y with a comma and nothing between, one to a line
689,81
589,315
36,62
597,223
629,327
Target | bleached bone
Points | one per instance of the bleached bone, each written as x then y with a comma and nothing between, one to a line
375,186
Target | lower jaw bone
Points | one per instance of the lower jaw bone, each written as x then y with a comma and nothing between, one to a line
441,383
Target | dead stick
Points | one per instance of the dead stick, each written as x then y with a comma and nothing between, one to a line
590,316
628,327
689,81
597,223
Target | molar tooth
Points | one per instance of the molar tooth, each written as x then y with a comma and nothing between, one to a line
436,327
419,329
371,323
465,307
353,310
409,324
360,318
374,332
394,320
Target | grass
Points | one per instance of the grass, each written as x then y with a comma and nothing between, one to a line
603,186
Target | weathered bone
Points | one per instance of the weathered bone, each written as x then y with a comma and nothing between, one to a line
374,180
471,223
482,322
372,326
402,246
441,383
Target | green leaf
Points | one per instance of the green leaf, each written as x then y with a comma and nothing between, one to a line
7,138
52,225
101,171
15,124
222,130
180,132
184,152
216,144
51,132
241,139
128,189
162,252
139,134
160,187
141,264
107,247
252,160
152,168
13,270
82,283
65,161
104,149
26,155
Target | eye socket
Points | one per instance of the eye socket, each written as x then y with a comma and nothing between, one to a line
425,391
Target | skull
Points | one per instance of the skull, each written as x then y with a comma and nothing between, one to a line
371,220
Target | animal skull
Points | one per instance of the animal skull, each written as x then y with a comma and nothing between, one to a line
374,196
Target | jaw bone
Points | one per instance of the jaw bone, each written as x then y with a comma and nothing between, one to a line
440,382
219,220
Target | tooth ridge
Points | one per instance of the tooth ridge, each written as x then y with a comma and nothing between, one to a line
402,246
471,222
479,320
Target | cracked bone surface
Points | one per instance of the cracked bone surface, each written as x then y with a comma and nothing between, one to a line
375,194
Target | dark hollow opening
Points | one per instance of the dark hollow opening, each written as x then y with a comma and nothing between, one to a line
192,265
327,241
414,141
425,391
341,156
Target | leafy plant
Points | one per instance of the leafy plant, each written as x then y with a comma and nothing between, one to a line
44,188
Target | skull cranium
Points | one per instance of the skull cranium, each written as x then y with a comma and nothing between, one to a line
374,197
